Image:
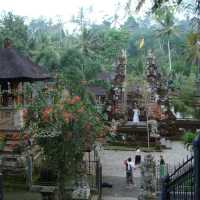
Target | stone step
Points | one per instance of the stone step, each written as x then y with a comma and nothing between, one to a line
10,155
7,149
10,163
12,142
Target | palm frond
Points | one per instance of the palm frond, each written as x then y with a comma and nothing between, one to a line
140,4
192,53
128,7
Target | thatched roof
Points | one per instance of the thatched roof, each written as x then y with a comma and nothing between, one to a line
97,90
14,66
105,76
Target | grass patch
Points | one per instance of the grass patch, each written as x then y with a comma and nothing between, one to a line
125,148
119,148
21,195
16,182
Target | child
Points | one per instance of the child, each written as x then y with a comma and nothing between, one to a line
129,170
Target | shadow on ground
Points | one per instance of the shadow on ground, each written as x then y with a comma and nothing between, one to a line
119,188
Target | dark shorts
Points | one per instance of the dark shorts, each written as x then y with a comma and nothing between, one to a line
129,177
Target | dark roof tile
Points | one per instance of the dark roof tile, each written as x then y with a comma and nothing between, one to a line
14,66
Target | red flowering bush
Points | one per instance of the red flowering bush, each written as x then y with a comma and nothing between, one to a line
64,127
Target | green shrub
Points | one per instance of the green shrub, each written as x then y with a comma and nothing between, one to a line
188,137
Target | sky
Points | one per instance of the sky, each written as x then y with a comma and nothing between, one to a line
65,9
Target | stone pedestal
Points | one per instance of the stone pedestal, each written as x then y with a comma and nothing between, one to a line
148,183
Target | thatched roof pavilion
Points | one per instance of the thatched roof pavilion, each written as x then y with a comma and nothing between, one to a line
14,66
15,69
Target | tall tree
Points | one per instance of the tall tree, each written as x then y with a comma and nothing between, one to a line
13,27
158,3
165,18
192,50
46,41
87,44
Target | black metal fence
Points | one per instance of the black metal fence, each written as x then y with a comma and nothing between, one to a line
94,174
167,169
184,182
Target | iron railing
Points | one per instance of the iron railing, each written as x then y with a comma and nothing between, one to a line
167,169
184,182
94,174
180,184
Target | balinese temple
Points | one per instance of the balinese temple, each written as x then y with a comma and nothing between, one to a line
15,71
153,106
117,97
154,83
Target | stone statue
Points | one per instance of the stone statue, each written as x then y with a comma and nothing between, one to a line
136,113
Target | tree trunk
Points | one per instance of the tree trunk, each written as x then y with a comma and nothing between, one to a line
161,45
169,53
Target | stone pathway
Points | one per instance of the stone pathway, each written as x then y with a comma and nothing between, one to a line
114,170
118,198
120,190
114,173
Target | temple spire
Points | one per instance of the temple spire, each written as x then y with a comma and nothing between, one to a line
117,95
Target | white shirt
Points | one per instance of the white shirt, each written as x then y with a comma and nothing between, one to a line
130,165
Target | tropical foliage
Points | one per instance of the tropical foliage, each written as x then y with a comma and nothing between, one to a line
92,48
65,126
63,118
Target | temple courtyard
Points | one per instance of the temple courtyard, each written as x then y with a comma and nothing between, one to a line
114,169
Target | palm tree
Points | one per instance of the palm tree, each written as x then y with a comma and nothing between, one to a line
88,44
193,53
165,18
158,3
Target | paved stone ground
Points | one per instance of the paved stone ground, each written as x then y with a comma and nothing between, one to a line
114,170
120,190
119,198
112,161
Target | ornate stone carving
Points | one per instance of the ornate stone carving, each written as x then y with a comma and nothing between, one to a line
147,191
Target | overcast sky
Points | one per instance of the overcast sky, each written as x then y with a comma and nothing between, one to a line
65,8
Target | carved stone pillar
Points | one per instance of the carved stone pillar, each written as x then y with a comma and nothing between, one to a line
147,191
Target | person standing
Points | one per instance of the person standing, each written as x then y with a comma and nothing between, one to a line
138,157
129,170
162,166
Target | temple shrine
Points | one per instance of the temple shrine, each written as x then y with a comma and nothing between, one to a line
15,144
151,100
